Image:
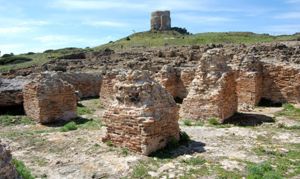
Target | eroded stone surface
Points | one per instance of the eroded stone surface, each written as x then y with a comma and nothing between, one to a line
143,116
7,169
48,99
213,91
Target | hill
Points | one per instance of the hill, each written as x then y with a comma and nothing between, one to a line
144,39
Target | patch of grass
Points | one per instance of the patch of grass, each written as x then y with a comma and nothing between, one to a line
283,126
22,170
286,163
213,121
187,122
70,126
8,120
226,174
262,171
290,111
82,110
140,171
109,143
91,124
194,161
124,151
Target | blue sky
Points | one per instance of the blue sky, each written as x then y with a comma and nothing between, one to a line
37,25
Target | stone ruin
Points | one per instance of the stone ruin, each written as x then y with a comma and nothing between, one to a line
143,116
160,20
176,81
213,91
106,91
49,99
249,82
7,169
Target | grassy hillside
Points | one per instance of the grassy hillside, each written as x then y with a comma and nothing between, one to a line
151,39
154,39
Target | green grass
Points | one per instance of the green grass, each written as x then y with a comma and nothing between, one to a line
286,164
213,121
70,126
187,122
262,171
194,161
140,171
8,120
22,170
290,111
153,39
82,110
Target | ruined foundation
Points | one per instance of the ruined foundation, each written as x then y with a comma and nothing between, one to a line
249,83
7,169
213,91
48,99
106,91
143,116
281,82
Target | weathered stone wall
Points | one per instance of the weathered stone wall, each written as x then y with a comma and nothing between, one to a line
213,91
107,88
160,20
48,99
7,169
249,83
170,78
11,91
143,117
87,84
281,82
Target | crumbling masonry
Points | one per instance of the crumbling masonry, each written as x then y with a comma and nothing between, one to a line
143,116
48,99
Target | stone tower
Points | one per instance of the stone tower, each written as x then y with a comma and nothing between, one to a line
160,20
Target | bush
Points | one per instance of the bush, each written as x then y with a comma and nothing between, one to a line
22,170
13,60
49,51
180,30
30,53
69,127
128,38
7,55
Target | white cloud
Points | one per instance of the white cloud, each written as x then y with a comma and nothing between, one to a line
13,30
202,19
105,24
94,5
10,47
283,29
289,15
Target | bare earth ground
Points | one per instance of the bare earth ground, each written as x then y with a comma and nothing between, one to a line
216,151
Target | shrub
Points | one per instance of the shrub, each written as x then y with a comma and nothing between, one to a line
7,55
30,53
181,30
140,171
48,51
69,127
128,38
22,170
13,60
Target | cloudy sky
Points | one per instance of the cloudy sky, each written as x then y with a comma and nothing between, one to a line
37,25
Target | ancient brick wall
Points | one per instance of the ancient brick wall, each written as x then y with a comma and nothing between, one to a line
249,83
48,99
170,78
87,84
213,91
7,169
160,20
281,82
143,117
106,91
